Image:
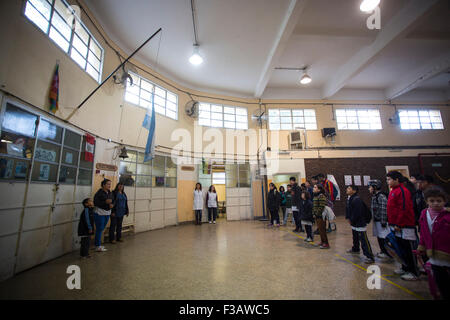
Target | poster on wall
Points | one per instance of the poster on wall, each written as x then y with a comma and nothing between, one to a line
366,180
21,170
348,180
6,168
69,157
357,180
44,172
45,155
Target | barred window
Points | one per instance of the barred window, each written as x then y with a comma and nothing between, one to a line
292,119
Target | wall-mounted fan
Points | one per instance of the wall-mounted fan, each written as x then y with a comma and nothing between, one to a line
123,75
259,117
191,109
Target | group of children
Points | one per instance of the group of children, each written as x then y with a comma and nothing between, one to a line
396,226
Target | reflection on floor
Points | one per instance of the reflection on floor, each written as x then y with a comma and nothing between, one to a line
228,260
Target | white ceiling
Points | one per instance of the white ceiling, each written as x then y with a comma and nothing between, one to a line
242,42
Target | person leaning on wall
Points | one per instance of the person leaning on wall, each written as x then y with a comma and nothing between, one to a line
119,210
103,201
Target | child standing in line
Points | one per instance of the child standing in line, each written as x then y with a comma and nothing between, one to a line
283,202
435,238
86,227
306,215
356,213
288,205
273,203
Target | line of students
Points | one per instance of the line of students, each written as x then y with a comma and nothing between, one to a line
305,212
96,214
395,223
211,202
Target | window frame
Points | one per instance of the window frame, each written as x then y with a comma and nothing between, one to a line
357,119
166,92
223,114
72,36
419,117
291,117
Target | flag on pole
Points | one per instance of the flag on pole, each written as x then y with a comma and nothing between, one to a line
149,124
54,91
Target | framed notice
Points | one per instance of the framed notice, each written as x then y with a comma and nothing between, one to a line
404,170
44,172
366,180
357,180
348,180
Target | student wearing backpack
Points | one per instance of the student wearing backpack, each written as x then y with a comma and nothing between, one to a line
358,216
402,223
379,214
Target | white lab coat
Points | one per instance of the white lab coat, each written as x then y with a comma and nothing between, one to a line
198,200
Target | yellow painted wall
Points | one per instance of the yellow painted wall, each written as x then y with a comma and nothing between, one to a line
221,193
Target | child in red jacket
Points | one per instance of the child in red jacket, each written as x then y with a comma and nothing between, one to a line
435,238
401,220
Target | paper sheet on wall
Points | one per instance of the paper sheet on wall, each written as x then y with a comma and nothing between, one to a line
366,180
348,180
357,180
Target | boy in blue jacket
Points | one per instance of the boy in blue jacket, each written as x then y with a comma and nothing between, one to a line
356,214
86,227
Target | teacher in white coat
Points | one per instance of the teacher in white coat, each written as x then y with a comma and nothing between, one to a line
198,203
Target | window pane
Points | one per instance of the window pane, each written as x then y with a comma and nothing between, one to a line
49,131
297,113
158,182
204,114
67,175
204,122
95,48
46,151
160,92
274,126
286,126
311,126
94,61
310,120
131,98
127,168
171,97
285,120
229,125
160,101
298,120
143,181
274,119
36,17
310,113
159,109
20,121
216,116
92,72
438,126
146,86
127,180
84,177
70,157
59,24
340,113
44,172
229,110
171,106
16,145
216,108
241,111
412,113
285,113
171,114
204,107
63,10
274,112
171,182
241,119
43,7
216,123
82,33
59,40
14,168
72,139
78,58
229,117
144,169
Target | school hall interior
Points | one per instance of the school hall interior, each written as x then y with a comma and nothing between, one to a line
242,94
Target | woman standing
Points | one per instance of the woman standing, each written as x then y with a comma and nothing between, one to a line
118,211
103,201
283,201
198,203
319,203
273,203
211,202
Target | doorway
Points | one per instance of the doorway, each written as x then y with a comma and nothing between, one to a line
214,173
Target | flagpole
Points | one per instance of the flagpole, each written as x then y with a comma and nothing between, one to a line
112,73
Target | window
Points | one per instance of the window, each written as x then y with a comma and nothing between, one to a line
159,172
220,116
52,151
420,119
58,21
358,119
292,119
140,93
218,178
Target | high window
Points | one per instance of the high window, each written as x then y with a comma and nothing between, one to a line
358,119
220,116
292,119
420,119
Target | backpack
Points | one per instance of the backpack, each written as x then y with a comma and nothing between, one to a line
367,213
378,194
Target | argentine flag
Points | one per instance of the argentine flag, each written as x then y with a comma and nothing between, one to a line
149,124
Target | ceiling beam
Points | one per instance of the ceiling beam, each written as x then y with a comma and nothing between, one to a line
406,19
287,27
418,76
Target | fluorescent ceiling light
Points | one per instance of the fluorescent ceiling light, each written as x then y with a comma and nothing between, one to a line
196,58
369,5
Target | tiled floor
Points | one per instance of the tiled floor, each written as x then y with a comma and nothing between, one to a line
229,260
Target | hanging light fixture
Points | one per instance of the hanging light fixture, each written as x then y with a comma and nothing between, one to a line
196,58
305,78
369,5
